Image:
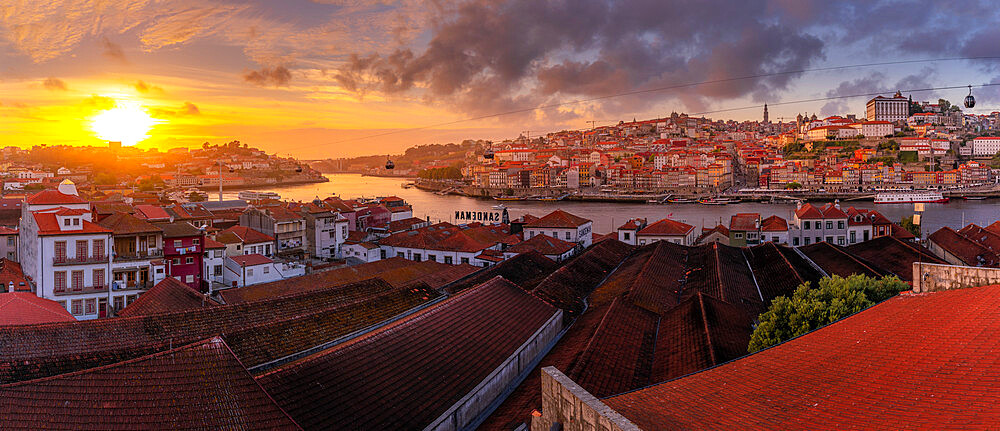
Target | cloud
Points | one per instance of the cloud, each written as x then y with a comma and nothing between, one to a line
267,76
113,51
143,87
875,82
190,109
483,56
54,84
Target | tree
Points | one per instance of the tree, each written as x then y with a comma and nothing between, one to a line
995,161
907,223
794,185
809,309
196,197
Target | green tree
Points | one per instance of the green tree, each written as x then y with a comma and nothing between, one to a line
907,223
908,157
195,197
995,160
809,309
794,185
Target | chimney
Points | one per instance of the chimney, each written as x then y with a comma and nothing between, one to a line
10,287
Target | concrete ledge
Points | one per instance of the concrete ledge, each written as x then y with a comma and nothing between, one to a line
567,403
931,277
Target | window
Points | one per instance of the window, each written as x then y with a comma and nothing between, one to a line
197,241
267,270
66,222
76,222
77,307
217,270
62,304
774,239
189,279
627,236
60,281
98,277
10,241
249,272
400,254
177,243
805,225
818,239
159,270
806,241
416,257
217,254
432,258
91,306
642,242
177,261
238,246
829,225
447,259
98,248
77,280
739,235
151,240
81,249
567,236
854,237
129,299
332,234
60,247
189,259
118,302
829,239
465,260
840,240
840,224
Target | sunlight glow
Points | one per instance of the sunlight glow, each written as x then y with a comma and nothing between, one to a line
128,123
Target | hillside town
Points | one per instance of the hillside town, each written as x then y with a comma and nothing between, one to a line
897,143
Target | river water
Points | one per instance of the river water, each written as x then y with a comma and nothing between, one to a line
608,216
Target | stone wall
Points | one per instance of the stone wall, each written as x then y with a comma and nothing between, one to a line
929,277
567,403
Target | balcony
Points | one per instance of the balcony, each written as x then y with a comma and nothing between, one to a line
78,260
81,290
138,255
130,285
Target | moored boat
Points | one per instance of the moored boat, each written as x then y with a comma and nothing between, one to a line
910,197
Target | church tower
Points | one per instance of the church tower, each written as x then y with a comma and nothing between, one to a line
765,114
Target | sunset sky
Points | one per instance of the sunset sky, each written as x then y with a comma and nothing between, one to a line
318,79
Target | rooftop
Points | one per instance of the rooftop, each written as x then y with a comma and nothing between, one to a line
169,295
557,219
26,308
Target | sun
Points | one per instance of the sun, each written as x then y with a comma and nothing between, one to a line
128,123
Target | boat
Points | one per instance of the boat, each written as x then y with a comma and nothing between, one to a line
507,198
553,198
976,198
681,201
250,195
499,207
910,197
713,201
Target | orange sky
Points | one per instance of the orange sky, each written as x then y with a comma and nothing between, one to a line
317,79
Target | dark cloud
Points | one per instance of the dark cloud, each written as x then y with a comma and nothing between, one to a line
267,76
144,87
54,84
113,51
485,55
190,109
875,82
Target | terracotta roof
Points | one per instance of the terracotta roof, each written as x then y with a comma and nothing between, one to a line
169,295
11,272
53,197
969,252
211,243
525,270
178,229
242,234
782,387
267,330
568,287
543,244
666,227
26,308
404,376
982,237
895,255
107,208
633,224
810,211
199,386
774,224
898,232
251,259
744,222
836,260
126,224
558,219
48,224
405,224
151,212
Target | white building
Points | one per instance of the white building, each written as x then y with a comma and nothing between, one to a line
326,230
137,254
248,269
627,232
812,224
667,230
214,261
243,240
874,129
896,108
985,146
66,256
8,243
364,251
563,225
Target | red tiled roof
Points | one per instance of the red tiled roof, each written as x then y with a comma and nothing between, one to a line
982,237
666,227
558,219
242,234
151,212
53,197
568,286
632,224
169,295
251,259
969,252
125,224
774,224
405,375
199,386
894,255
744,222
835,260
525,270
405,224
830,210
10,272
782,387
26,308
48,224
211,243
543,244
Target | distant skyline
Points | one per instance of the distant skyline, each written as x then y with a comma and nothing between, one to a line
308,78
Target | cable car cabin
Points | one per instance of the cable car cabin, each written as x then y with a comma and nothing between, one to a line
389,164
970,101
